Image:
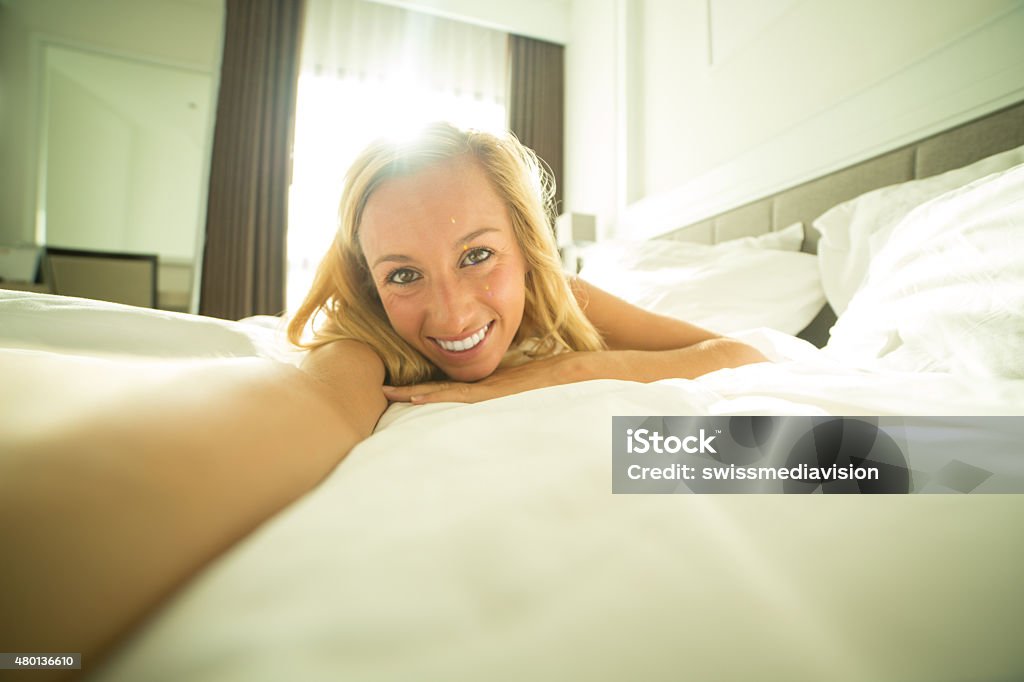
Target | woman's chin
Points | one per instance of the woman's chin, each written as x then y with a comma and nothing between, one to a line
471,373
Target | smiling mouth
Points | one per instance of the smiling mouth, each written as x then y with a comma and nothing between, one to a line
465,344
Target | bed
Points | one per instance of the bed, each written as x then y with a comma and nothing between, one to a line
467,542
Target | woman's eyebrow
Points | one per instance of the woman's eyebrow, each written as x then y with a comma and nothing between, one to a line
472,235
396,258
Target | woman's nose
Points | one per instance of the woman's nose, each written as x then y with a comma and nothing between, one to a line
451,306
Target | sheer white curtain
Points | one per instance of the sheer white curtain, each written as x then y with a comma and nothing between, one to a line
369,70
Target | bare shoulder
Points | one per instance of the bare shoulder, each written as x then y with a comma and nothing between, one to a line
345,355
353,374
625,326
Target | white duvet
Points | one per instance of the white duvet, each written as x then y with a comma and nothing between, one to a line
480,542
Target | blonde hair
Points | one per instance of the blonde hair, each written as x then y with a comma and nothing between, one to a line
343,290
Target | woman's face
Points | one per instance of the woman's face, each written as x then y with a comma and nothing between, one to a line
447,266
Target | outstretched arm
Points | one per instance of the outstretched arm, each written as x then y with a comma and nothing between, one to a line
119,481
626,327
642,346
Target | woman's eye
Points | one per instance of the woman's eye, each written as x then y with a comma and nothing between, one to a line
403,276
476,256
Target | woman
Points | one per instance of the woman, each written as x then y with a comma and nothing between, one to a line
444,284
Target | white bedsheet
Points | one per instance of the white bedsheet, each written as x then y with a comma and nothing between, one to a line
472,542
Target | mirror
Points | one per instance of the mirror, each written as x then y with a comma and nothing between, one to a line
106,127
122,149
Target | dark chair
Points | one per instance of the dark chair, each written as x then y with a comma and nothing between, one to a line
118,277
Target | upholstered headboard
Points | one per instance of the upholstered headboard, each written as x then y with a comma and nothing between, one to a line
953,148
944,151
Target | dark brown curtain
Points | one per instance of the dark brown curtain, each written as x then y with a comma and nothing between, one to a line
536,100
247,213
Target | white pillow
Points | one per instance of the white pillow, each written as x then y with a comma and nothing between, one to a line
946,293
787,239
727,287
652,254
853,232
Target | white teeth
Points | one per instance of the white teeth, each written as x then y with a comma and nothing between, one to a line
466,343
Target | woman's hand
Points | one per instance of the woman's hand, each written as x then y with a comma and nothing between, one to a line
627,365
559,369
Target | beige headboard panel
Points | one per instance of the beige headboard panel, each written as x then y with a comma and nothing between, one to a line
953,148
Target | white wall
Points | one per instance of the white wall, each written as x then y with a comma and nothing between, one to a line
725,101
591,142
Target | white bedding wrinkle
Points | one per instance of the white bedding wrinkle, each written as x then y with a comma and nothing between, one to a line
947,291
855,232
